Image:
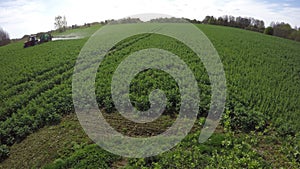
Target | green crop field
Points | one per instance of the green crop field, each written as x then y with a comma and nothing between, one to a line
259,128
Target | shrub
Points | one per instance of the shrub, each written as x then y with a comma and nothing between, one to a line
247,121
90,156
4,152
269,31
284,128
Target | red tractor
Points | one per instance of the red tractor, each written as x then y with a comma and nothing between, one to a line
32,41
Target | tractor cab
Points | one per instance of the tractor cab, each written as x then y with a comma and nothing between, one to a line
32,38
32,41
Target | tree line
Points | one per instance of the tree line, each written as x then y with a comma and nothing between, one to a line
237,22
279,29
283,30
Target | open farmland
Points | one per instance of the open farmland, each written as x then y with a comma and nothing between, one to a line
260,126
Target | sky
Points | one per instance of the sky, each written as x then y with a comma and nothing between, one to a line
20,17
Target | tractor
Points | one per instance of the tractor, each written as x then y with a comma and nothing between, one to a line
32,40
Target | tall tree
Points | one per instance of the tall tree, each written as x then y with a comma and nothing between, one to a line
231,20
206,19
4,37
226,20
282,30
60,23
295,35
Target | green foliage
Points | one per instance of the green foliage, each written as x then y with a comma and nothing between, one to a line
269,31
292,149
90,156
248,120
282,30
260,77
149,80
35,87
237,155
4,152
262,84
221,150
285,128
188,154
295,35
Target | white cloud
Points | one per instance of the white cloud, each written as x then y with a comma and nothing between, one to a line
266,11
21,17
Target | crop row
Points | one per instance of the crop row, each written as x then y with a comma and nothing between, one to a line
18,101
22,83
262,74
45,109
22,65
35,88
149,80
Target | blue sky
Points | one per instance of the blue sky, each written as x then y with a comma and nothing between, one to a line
291,2
19,17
